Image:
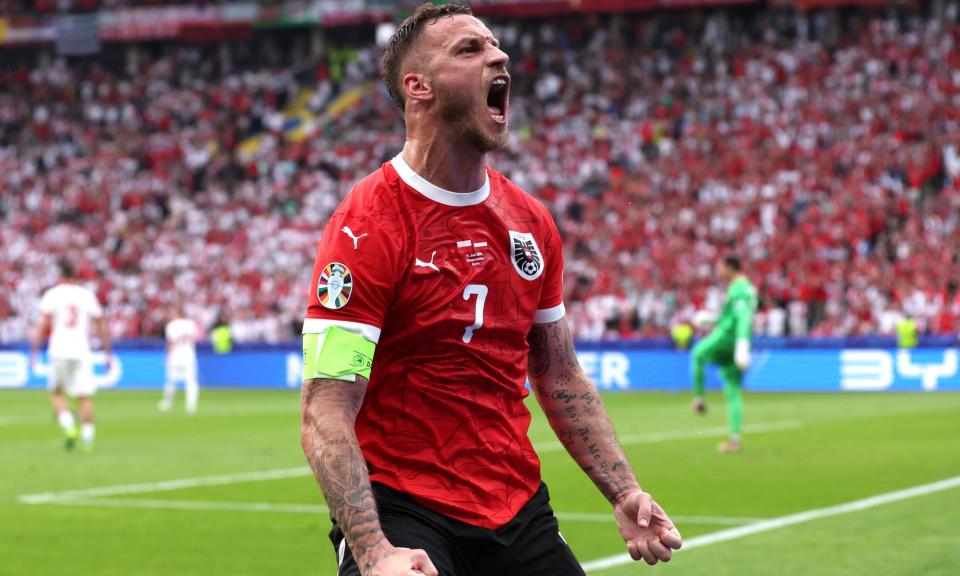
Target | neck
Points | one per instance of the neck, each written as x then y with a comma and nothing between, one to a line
446,162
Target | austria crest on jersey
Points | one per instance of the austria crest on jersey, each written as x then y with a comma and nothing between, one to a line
525,255
335,286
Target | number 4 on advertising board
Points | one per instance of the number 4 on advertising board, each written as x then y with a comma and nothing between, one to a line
879,369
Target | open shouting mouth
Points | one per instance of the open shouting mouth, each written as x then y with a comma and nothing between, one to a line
497,98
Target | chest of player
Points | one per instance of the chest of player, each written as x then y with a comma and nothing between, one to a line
473,274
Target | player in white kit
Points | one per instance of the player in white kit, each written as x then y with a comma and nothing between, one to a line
182,335
67,312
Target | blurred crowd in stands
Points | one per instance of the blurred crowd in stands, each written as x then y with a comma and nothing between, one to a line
27,7
823,150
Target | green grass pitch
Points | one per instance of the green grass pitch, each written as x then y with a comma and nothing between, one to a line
802,452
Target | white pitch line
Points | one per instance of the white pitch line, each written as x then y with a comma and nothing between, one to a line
607,517
790,520
15,420
138,415
158,504
166,485
224,479
719,520
655,437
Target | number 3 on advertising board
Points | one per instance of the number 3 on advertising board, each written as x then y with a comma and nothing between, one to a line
480,291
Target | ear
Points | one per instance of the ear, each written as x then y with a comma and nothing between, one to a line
417,88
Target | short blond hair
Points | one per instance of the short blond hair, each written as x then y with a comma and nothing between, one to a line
403,40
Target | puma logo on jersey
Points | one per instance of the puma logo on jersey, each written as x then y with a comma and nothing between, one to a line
356,239
421,264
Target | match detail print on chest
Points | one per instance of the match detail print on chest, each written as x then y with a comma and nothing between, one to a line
463,253
461,243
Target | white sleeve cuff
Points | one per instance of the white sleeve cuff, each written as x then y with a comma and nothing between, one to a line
548,315
320,325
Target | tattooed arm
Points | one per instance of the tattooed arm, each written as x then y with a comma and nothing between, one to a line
578,417
329,410
576,411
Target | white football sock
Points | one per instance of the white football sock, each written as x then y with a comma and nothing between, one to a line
66,421
169,389
87,432
192,392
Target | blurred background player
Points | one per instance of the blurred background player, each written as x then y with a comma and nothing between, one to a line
220,336
727,346
67,311
182,334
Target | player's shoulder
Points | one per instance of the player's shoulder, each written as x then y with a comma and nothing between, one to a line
371,195
370,220
51,292
518,198
743,288
87,294
62,291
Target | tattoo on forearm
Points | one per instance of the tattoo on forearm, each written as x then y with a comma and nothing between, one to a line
333,452
539,358
575,411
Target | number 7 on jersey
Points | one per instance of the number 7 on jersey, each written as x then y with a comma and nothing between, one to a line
480,291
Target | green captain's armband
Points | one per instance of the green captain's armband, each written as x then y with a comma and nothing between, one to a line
338,354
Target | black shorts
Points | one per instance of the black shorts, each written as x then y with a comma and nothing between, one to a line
528,545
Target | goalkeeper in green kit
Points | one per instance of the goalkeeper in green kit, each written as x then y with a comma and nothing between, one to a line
727,346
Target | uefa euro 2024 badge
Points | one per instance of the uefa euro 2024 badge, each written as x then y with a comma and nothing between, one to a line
335,286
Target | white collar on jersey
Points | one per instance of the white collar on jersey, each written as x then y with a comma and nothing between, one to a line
436,193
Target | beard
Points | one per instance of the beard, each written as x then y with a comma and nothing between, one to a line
457,111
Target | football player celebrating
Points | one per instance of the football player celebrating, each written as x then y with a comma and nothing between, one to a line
421,322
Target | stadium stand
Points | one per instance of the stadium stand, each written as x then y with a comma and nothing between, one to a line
830,161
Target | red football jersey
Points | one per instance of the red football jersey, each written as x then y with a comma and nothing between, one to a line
449,285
